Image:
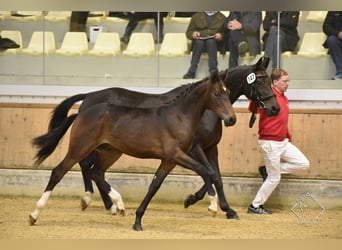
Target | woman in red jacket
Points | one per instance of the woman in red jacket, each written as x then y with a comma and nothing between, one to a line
280,155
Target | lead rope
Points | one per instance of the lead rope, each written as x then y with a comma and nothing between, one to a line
253,117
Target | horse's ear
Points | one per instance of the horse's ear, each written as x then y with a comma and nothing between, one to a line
262,63
214,75
223,74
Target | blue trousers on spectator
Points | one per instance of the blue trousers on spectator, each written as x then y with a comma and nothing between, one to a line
335,51
199,46
271,48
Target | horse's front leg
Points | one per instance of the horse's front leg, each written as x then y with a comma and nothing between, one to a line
164,169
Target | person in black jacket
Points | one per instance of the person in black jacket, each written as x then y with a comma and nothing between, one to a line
135,17
288,34
332,27
242,34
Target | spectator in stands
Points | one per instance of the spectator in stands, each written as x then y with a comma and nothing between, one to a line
332,27
274,141
242,34
184,14
206,31
78,21
6,43
288,34
135,17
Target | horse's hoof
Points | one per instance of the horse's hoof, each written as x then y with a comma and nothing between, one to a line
84,204
137,227
212,212
121,212
188,201
232,217
32,220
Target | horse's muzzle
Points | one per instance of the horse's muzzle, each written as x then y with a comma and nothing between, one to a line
229,121
273,111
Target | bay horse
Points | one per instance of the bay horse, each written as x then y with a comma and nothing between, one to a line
165,132
249,80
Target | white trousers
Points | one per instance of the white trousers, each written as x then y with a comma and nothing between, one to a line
280,158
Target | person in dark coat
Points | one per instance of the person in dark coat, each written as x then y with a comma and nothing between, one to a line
288,34
206,31
135,17
332,27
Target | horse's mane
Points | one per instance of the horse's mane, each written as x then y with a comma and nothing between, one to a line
186,89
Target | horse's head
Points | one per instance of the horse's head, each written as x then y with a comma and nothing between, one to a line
255,84
219,101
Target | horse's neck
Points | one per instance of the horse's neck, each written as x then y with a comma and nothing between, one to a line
235,90
193,104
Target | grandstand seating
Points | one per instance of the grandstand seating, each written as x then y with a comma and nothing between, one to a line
106,44
14,35
58,16
174,44
316,16
140,45
170,56
74,43
96,17
42,42
27,16
4,15
311,45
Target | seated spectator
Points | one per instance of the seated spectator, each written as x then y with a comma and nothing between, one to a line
332,27
6,43
288,34
242,34
205,30
184,14
78,21
135,17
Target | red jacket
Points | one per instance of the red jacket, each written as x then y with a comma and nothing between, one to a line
274,128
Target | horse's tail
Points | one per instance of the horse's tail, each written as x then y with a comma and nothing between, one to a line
48,142
60,113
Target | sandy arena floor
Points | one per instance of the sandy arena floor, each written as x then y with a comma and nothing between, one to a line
62,218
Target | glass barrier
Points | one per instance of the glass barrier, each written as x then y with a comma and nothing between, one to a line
131,49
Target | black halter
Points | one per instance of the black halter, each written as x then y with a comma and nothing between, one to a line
259,100
255,93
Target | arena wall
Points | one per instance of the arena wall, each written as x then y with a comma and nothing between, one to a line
317,132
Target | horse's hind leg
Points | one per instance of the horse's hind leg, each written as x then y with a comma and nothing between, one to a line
105,157
198,154
212,156
56,175
86,165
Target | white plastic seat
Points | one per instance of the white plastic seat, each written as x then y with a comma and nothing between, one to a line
174,44
316,16
41,43
58,16
106,44
74,43
14,35
96,17
4,15
184,20
26,16
140,45
311,46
